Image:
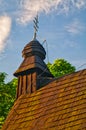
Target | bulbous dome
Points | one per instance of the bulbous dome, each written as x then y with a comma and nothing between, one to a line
34,48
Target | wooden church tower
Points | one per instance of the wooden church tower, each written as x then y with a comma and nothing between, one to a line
33,72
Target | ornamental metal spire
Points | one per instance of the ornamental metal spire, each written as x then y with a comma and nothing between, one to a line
35,27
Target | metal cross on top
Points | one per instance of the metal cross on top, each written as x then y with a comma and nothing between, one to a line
35,26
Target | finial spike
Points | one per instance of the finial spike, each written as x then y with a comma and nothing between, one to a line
35,27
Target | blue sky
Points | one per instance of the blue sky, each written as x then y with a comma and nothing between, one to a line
61,23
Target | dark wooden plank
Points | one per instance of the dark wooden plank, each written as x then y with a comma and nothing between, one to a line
34,81
29,83
20,85
24,85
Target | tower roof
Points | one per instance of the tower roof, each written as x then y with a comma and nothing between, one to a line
33,54
34,48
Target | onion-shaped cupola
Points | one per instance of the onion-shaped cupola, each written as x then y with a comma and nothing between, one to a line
33,54
34,48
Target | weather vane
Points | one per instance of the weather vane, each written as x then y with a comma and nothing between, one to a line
35,26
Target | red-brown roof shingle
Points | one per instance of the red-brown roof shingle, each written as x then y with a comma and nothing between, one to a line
60,105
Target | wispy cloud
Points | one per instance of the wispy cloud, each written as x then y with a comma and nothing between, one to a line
0,1
5,27
29,8
79,3
71,44
75,27
25,10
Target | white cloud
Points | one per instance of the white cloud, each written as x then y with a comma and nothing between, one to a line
5,27
29,8
75,27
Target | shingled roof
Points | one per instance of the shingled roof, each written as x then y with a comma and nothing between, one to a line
60,105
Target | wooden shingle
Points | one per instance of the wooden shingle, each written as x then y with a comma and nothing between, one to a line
59,105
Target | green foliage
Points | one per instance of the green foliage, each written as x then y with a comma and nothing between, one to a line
7,96
60,67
